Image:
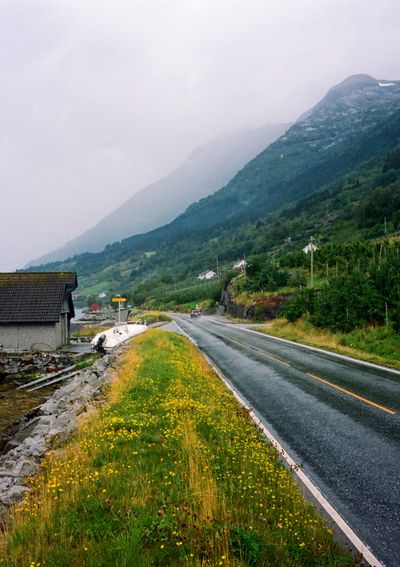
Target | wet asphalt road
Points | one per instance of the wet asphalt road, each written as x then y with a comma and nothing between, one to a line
349,447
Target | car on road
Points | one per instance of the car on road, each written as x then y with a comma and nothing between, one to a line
195,314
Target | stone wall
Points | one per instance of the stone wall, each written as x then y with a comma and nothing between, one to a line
263,308
55,419
38,362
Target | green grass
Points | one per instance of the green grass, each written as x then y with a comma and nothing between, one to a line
381,342
87,361
93,289
150,317
89,330
170,472
374,344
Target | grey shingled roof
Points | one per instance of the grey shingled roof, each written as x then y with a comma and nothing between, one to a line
35,297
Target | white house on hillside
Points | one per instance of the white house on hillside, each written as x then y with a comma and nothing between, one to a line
207,275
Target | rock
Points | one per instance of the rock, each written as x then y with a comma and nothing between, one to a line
55,420
24,467
13,495
108,377
97,393
26,429
101,364
44,421
5,473
33,446
49,407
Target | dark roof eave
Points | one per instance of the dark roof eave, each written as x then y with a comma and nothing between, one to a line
29,322
35,297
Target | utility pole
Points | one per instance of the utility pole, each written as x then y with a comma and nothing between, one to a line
312,261
311,248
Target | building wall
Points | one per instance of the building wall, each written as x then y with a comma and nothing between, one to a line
26,336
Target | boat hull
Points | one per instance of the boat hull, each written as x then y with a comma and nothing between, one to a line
118,334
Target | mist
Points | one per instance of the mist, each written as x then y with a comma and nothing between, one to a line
99,99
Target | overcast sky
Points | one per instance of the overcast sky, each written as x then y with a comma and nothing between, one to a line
99,98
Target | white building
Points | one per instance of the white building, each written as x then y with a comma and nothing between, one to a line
207,275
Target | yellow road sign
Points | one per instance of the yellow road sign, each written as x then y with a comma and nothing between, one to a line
118,299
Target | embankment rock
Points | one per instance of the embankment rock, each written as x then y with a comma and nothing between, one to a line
54,419
263,308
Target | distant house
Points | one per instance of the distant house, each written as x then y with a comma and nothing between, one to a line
103,295
240,265
207,275
36,309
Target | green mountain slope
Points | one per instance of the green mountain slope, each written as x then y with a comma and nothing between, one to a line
354,121
206,170
335,136
359,205
329,163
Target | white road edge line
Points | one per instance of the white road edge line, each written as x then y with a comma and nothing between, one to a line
302,345
323,502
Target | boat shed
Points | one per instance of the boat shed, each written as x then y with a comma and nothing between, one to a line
36,309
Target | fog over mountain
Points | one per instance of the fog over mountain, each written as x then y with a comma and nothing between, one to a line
355,123
207,169
99,100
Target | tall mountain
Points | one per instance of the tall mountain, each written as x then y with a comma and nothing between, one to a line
207,169
352,121
357,121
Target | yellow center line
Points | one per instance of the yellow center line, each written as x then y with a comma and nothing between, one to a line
365,400
260,351
274,358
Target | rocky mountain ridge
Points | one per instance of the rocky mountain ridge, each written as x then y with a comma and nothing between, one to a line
356,105
341,131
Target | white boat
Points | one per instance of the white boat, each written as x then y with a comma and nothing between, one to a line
120,333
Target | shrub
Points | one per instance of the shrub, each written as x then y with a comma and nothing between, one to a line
297,279
301,302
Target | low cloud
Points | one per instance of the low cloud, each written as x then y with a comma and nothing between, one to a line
98,99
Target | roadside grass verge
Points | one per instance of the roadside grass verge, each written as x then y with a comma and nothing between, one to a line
150,317
373,344
169,472
90,330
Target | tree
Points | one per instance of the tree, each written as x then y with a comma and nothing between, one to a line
347,302
301,302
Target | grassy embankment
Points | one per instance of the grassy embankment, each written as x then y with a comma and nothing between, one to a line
374,344
170,471
150,317
90,330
